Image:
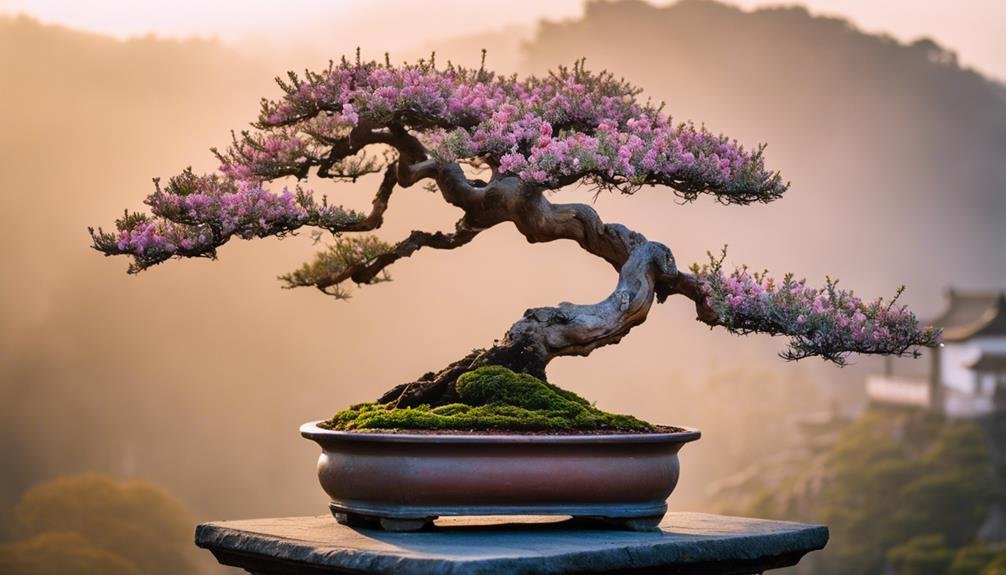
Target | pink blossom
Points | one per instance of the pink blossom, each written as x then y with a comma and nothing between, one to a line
830,322
573,123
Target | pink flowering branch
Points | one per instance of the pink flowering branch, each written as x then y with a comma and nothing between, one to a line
569,126
420,124
194,215
829,322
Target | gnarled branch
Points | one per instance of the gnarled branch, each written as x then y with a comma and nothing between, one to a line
364,271
576,329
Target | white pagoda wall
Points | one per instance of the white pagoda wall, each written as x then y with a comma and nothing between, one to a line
954,357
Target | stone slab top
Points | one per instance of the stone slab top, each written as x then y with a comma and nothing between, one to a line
685,543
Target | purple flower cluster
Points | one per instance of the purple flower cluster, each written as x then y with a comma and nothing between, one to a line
827,322
243,208
261,157
193,215
377,93
152,239
550,131
640,152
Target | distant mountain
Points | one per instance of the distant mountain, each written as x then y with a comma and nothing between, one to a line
894,151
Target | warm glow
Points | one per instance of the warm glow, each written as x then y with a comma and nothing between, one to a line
973,28
195,375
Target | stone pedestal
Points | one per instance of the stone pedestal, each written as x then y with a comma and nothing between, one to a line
687,543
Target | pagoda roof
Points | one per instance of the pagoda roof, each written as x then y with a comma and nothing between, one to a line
989,362
972,314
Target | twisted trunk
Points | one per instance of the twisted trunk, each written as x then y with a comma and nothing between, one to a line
646,270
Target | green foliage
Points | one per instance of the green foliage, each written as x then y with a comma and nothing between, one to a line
65,553
493,398
972,560
997,566
122,527
337,259
904,490
922,555
130,220
187,183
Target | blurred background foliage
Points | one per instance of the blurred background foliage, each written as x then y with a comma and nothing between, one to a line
89,524
902,491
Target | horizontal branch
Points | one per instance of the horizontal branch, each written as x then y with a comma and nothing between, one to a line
366,263
194,215
829,322
366,271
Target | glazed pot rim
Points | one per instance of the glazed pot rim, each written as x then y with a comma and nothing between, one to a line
311,430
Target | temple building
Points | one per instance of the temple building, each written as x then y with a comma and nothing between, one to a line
966,377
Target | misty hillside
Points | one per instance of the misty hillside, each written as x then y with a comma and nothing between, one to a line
197,374
87,122
894,152
90,116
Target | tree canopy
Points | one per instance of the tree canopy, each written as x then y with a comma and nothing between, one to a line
517,139
571,126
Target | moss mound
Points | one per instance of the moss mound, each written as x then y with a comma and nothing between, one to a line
493,398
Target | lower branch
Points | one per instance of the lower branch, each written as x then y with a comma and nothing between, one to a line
364,272
364,259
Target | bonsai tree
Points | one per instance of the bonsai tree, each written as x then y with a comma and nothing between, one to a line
494,147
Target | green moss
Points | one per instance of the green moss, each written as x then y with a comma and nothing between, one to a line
495,384
493,398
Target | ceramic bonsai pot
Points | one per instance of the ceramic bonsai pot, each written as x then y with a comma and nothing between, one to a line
402,481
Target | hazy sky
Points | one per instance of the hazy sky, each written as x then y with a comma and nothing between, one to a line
976,29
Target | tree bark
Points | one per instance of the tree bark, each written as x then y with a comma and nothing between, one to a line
646,271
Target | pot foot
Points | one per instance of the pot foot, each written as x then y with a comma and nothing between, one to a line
651,523
400,525
355,520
